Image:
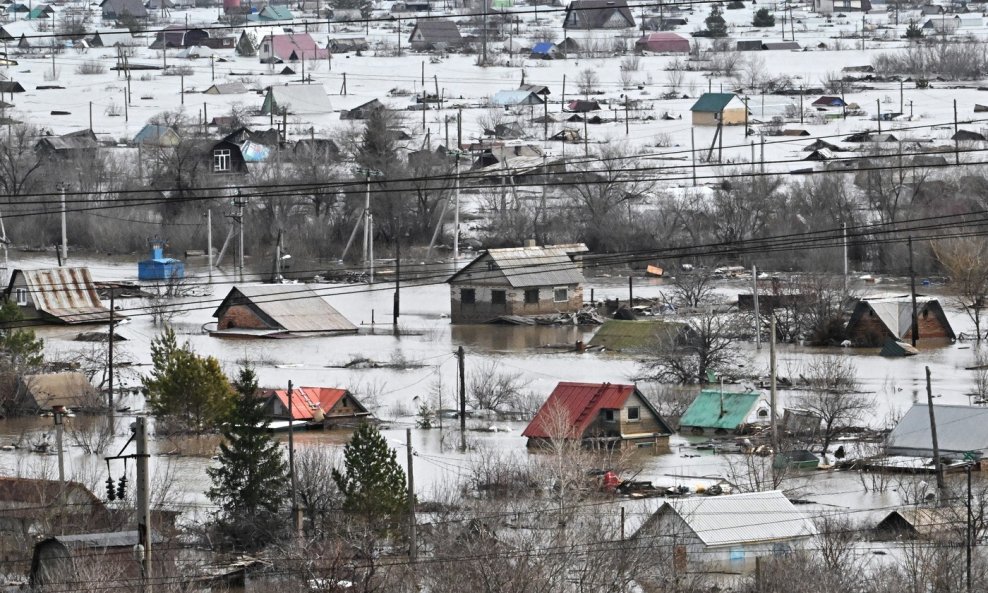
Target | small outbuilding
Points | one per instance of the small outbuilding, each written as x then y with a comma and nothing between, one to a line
545,50
158,267
41,393
962,432
512,98
826,103
874,321
598,415
297,99
664,42
723,412
430,34
363,111
57,560
278,310
712,109
728,533
967,136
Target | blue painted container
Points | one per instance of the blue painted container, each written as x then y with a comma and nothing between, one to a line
159,267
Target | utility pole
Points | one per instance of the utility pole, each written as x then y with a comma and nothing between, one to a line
843,228
460,363
58,414
240,202
933,432
209,241
368,223
278,251
143,499
296,516
397,298
772,388
914,328
109,354
456,210
65,240
754,294
970,527
412,555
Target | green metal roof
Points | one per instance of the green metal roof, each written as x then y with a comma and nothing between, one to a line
616,334
712,102
705,411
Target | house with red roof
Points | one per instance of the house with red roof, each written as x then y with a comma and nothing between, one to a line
328,406
290,47
600,415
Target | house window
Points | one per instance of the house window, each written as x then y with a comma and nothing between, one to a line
221,160
560,295
634,414
762,413
20,295
468,296
531,296
265,48
608,415
498,297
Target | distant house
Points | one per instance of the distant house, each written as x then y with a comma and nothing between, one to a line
875,321
585,15
40,393
10,87
278,310
411,6
512,98
247,44
749,45
343,45
297,99
728,533
663,42
58,559
289,47
159,136
226,88
780,46
178,36
545,50
362,111
67,146
118,9
723,412
225,157
159,267
18,31
113,38
942,25
57,295
967,136
599,415
270,137
23,506
962,431
582,106
325,405
828,103
637,336
832,6
271,13
42,11
920,523
519,281
429,34
321,148
712,109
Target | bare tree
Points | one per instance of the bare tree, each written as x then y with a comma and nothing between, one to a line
708,345
833,397
966,262
587,81
693,288
489,387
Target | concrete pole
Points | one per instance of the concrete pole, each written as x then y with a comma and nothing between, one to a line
65,240
209,241
456,211
143,498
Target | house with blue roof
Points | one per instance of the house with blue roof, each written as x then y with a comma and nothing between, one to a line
155,135
545,50
159,267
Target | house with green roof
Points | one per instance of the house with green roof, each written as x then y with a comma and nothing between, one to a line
712,109
719,412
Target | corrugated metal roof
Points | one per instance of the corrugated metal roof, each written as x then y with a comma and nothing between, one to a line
306,400
712,102
294,308
959,429
65,293
59,389
707,411
742,518
298,99
114,539
897,313
513,97
580,404
551,265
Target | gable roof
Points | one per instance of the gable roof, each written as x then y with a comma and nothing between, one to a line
595,14
68,389
581,403
305,401
712,102
707,411
516,97
827,101
896,313
155,135
294,46
741,518
959,429
289,306
118,8
527,266
298,99
67,294
436,31
617,334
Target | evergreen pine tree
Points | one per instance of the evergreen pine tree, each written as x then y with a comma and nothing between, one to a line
716,25
372,482
249,483
763,18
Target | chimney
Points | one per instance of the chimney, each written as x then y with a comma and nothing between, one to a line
530,244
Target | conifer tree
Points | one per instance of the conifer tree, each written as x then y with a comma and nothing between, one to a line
716,25
372,482
249,482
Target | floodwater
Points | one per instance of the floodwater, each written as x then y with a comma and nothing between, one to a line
425,347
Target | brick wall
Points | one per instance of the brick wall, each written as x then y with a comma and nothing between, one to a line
241,316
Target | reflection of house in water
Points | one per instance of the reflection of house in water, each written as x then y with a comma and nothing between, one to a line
509,338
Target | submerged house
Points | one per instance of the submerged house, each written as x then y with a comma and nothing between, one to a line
296,99
921,523
600,415
722,412
962,432
28,507
518,281
875,321
57,295
278,310
325,405
712,109
41,393
663,42
591,15
728,533
638,336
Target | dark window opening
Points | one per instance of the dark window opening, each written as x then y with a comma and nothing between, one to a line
498,297
634,414
468,296
532,296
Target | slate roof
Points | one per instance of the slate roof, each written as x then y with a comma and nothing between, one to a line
594,14
705,411
290,307
516,97
741,518
436,31
551,265
712,102
582,403
959,429
118,8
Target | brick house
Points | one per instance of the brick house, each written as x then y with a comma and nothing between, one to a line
599,415
277,310
875,321
518,281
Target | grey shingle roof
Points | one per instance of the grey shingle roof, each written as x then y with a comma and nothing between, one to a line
551,265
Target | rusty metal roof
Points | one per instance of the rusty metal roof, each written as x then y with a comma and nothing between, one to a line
67,294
